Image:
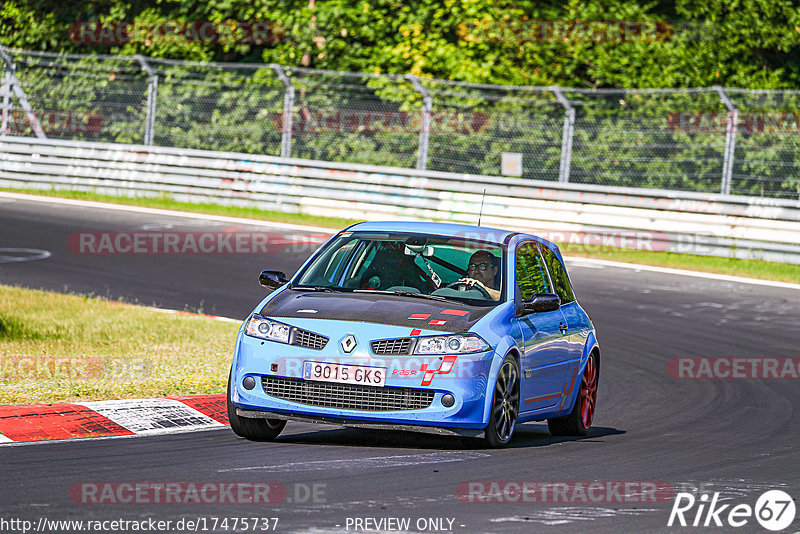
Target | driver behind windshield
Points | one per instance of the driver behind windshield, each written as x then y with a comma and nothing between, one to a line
482,271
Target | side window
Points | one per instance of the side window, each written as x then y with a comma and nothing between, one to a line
558,274
336,263
531,277
362,259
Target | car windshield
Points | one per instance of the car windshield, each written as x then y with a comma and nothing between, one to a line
412,265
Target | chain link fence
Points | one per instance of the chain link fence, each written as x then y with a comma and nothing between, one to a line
712,140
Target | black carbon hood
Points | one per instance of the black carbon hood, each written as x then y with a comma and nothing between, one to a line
445,316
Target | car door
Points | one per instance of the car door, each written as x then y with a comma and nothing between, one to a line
545,348
576,319
577,322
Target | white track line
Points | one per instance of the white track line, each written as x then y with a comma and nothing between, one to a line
369,462
158,211
193,314
255,222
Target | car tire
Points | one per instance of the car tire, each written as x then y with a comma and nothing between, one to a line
505,405
580,419
250,428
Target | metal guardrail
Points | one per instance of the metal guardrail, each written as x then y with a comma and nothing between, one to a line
696,223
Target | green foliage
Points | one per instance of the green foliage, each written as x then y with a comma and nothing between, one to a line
622,138
746,43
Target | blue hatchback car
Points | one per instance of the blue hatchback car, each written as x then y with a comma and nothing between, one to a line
427,327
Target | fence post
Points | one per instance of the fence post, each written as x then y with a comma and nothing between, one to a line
288,111
5,89
11,84
152,95
567,135
425,123
730,140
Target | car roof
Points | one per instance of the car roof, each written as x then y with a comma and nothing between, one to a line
480,233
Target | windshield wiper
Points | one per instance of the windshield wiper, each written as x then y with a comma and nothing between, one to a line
401,292
328,289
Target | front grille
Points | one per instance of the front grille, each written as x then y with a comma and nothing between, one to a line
346,396
392,346
309,340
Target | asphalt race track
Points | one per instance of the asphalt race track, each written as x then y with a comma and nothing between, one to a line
738,437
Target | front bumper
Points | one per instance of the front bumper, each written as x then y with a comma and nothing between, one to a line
354,423
467,382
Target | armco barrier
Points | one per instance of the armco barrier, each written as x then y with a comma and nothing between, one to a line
746,227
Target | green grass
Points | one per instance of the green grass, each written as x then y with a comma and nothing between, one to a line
56,347
731,266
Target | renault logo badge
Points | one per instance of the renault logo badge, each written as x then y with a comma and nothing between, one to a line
349,343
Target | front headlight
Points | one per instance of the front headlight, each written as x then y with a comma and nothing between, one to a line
455,344
264,328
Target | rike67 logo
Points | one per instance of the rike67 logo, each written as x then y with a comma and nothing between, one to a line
774,510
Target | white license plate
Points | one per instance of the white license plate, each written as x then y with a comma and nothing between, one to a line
344,374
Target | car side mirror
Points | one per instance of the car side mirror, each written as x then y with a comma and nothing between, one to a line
272,279
541,302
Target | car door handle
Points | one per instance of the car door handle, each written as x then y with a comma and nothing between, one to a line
563,328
